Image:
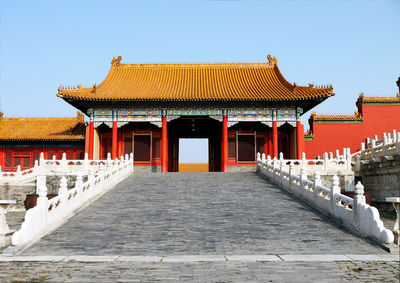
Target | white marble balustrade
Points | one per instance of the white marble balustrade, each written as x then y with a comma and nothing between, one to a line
375,148
354,213
53,167
327,165
48,215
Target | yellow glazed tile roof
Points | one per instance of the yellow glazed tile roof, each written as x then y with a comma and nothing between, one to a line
378,99
336,117
195,82
42,129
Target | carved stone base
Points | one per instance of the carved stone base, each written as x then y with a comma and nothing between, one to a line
5,239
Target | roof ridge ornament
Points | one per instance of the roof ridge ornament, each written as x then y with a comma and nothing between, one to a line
94,88
272,61
116,62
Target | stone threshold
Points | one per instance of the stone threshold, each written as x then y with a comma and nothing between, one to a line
203,258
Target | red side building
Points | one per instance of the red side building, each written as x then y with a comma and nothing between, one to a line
23,139
374,116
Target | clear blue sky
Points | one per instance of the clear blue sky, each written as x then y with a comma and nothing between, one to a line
353,45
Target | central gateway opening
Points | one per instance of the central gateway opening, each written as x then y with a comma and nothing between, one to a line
193,155
198,137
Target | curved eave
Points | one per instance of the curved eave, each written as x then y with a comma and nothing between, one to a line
77,98
44,139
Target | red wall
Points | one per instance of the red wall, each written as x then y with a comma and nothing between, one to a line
377,119
11,157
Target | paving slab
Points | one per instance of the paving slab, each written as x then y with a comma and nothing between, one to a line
200,227
164,214
220,271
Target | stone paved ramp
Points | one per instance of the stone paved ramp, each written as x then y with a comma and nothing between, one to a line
199,214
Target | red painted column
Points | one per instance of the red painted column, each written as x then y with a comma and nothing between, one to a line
270,147
91,139
266,138
114,144
299,138
222,150
225,143
164,145
275,138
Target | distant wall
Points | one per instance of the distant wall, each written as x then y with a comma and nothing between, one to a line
332,134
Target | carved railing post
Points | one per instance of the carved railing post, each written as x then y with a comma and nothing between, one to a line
18,173
109,161
86,162
303,177
357,167
335,189
36,167
63,190
42,201
291,174
263,164
275,170
359,200
326,161
41,160
303,160
64,163
385,142
373,146
317,182
348,159
281,176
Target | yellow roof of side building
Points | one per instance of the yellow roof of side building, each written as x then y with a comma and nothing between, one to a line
42,129
195,82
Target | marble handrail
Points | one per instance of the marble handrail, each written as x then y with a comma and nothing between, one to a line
354,213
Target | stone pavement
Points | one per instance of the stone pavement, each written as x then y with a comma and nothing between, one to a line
176,215
220,271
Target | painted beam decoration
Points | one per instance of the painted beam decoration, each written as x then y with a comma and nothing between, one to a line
139,115
234,114
194,112
245,114
287,115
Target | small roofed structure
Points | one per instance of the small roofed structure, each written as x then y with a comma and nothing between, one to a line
242,108
23,139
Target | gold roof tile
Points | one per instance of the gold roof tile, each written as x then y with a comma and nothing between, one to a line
195,82
42,129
